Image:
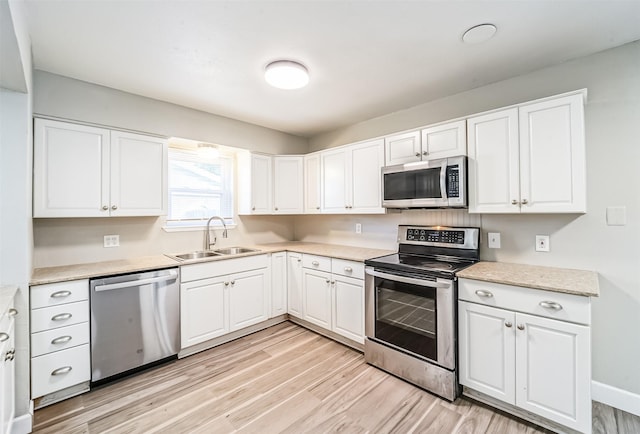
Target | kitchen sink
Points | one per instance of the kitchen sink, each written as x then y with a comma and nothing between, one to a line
234,250
195,255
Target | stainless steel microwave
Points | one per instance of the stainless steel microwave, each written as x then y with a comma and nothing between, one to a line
426,184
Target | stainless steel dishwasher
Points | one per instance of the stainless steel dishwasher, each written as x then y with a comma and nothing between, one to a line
135,321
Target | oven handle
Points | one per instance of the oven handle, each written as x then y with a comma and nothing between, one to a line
409,280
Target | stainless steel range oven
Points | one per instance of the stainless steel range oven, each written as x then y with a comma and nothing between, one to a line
410,299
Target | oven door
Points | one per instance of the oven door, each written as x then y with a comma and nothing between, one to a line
412,314
422,184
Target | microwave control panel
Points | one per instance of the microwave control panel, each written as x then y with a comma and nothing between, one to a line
453,181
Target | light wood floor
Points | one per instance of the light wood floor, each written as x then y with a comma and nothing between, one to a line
283,379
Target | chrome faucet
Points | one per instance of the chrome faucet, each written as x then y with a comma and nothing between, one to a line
207,236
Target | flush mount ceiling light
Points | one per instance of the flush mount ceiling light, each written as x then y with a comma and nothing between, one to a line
286,74
479,33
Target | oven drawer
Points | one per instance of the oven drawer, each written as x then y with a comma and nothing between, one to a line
549,304
347,268
316,262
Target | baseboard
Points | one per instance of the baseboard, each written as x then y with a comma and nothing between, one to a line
22,424
617,398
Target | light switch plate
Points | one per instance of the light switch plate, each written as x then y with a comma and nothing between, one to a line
542,243
494,240
616,215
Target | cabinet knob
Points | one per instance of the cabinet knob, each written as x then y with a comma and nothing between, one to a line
104,208
327,281
114,207
10,355
425,153
520,326
525,201
233,282
226,283
514,202
253,208
333,282
417,154
13,312
508,324
276,208
317,207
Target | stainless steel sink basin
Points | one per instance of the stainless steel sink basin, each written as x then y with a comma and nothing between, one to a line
234,250
195,255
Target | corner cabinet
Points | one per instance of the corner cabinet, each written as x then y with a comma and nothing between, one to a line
527,348
83,171
437,141
351,179
529,159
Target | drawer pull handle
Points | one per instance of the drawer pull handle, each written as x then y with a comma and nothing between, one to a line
483,293
61,317
13,312
551,305
61,294
10,356
508,324
61,340
520,326
62,371
348,269
4,337
315,263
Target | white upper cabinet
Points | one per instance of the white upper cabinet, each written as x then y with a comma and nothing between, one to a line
255,180
312,183
529,159
82,171
351,178
438,141
288,184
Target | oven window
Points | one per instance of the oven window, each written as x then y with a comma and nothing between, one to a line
413,184
406,317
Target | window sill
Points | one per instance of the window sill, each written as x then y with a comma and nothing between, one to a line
193,228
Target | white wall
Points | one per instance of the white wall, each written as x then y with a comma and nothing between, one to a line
69,241
15,195
577,241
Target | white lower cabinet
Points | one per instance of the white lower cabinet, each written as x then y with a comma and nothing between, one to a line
538,362
220,297
294,284
60,351
7,368
278,284
333,295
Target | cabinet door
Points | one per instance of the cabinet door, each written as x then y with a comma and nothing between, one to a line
312,184
441,141
261,184
365,180
317,297
494,163
348,308
552,156
288,184
70,170
553,377
248,298
294,284
203,310
138,175
7,373
487,350
402,148
278,284
334,181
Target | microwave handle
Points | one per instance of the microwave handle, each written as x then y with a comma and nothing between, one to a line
443,179
409,280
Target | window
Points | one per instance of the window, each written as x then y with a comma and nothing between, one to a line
200,186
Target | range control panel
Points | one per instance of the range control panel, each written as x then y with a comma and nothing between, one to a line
463,238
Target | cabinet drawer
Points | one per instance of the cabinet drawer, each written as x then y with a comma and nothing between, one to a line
58,339
315,262
59,316
549,304
347,268
59,370
221,267
59,293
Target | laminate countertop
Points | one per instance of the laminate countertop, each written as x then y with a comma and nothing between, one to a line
64,273
569,281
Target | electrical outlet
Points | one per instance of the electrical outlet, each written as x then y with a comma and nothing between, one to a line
112,241
494,240
542,243
358,228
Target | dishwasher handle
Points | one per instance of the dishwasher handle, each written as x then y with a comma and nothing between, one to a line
173,275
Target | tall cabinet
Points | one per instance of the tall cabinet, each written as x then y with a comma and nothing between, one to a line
84,171
529,158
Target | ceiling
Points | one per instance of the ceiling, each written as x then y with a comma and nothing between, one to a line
366,58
